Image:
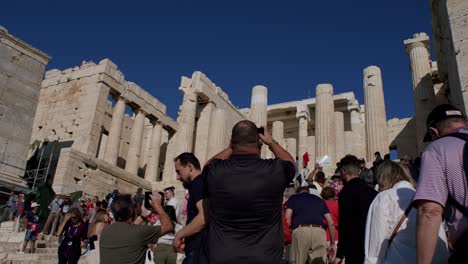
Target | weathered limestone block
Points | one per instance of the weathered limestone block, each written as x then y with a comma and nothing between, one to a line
21,71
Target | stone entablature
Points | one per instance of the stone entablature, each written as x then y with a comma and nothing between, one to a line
109,74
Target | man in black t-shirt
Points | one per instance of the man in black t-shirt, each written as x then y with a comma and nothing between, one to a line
188,172
244,195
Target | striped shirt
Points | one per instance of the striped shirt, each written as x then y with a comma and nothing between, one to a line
442,173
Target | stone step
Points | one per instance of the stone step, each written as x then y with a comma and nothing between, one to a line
50,251
7,226
34,258
11,237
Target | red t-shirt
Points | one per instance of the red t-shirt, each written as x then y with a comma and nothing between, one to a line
333,208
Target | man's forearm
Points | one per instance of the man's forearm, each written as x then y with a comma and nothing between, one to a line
280,152
197,225
166,223
223,155
427,230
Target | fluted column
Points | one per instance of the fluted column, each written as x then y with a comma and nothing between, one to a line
218,132
134,149
204,125
376,117
258,109
186,123
152,168
423,88
113,140
324,122
146,143
291,147
339,135
278,132
303,116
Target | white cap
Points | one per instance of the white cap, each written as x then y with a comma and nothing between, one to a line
34,204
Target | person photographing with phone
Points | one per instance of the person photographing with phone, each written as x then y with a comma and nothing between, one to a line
125,241
244,194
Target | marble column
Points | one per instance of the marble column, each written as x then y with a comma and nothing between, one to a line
324,123
152,168
303,133
376,117
186,121
134,149
218,132
204,125
146,143
291,147
339,135
113,140
423,88
303,116
278,132
258,109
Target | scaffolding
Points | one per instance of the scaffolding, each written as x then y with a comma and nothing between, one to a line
39,175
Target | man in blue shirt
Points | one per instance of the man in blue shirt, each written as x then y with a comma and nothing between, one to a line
305,214
9,206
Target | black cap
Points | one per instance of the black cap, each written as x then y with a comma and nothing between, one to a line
440,113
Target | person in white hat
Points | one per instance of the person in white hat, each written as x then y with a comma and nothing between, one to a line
32,227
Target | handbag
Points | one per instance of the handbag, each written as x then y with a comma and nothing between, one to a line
149,258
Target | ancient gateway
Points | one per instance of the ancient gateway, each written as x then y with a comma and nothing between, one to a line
97,132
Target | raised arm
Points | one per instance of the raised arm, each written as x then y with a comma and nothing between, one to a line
279,151
166,223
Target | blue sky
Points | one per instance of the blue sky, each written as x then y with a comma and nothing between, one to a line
288,46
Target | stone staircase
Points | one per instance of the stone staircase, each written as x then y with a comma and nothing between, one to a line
10,244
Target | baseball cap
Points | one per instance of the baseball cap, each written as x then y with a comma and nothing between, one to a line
34,204
440,113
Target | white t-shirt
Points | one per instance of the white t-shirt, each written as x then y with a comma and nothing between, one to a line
169,237
173,202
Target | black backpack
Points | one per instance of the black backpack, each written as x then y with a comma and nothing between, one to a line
461,245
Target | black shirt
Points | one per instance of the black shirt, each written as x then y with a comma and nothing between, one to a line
308,209
245,208
195,195
354,201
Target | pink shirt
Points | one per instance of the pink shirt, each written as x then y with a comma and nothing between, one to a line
442,173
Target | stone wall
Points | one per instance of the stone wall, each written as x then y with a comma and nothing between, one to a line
21,70
449,25
402,135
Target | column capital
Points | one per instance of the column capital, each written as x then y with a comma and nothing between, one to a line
190,96
140,111
302,110
418,40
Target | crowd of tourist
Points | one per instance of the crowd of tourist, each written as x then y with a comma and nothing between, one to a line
240,208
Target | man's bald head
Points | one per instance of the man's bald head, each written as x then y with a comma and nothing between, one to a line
244,133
